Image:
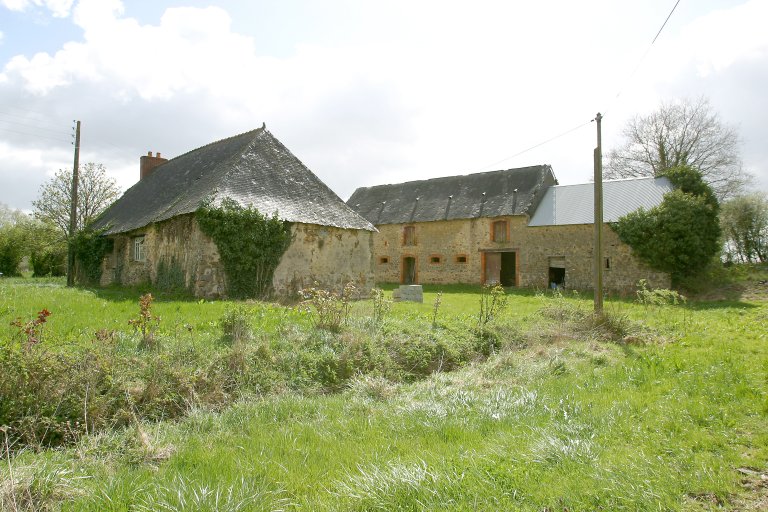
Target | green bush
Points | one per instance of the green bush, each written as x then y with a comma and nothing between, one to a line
49,261
250,245
90,248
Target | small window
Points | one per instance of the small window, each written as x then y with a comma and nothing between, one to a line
409,235
383,260
435,259
138,249
461,258
499,231
607,263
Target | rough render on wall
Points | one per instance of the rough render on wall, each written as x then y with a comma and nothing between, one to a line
325,255
439,244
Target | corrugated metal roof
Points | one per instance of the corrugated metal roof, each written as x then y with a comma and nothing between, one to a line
254,168
574,204
486,194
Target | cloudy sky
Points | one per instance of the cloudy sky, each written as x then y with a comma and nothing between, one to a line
366,92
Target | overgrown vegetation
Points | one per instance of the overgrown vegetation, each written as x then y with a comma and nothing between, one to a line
170,276
329,309
681,236
250,245
90,248
626,411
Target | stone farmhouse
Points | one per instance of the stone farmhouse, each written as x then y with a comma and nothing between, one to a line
154,221
516,227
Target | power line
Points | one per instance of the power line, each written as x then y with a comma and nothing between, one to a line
563,134
665,22
621,90
642,59
36,127
37,135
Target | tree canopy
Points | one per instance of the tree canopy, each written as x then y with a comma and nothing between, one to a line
681,235
96,191
683,133
744,220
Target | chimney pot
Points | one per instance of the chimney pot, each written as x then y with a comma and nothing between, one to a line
148,164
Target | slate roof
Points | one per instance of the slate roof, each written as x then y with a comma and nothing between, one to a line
574,204
254,168
486,194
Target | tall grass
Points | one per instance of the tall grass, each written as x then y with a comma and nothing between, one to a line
656,411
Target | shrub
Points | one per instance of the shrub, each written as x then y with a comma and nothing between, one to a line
236,324
90,248
50,261
327,309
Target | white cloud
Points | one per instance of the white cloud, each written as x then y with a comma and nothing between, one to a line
445,89
58,8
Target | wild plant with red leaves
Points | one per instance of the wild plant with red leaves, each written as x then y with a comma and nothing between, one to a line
33,330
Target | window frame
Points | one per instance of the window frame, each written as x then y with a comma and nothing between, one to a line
138,249
409,241
505,231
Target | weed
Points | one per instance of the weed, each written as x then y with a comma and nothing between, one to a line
436,308
146,322
33,329
236,324
657,296
327,309
492,302
381,306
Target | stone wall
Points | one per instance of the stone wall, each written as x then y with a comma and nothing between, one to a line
331,257
326,255
454,251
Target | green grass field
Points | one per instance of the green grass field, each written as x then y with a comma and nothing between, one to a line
655,408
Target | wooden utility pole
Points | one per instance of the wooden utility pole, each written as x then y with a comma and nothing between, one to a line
73,210
598,276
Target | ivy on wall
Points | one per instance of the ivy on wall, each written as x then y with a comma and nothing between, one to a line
250,245
90,248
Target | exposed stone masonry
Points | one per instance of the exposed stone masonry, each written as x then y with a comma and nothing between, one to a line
441,244
329,256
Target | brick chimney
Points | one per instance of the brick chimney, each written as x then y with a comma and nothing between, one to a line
148,164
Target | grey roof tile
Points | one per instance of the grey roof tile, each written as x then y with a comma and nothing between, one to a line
486,194
254,168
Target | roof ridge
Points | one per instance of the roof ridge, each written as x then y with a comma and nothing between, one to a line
255,131
459,176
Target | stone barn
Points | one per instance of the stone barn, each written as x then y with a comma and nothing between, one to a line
516,227
153,225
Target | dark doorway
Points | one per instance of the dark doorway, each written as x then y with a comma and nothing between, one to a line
409,270
501,267
557,272
508,269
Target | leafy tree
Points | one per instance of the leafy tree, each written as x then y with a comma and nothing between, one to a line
95,192
687,132
13,239
681,235
22,236
744,220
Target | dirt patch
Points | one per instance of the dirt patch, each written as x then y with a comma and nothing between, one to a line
753,291
755,483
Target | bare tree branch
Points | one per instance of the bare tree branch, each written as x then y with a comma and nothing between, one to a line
687,132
